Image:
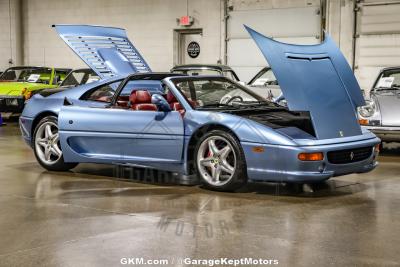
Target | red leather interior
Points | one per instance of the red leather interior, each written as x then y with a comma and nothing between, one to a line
171,98
140,96
174,104
145,106
123,101
141,100
104,99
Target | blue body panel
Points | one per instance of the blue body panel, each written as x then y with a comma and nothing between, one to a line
318,79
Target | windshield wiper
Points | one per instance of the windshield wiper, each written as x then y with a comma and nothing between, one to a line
216,105
260,103
394,87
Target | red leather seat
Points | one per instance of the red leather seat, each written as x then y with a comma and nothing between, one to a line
123,101
141,100
171,99
173,103
178,107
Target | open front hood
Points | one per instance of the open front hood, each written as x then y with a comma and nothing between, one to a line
106,50
318,79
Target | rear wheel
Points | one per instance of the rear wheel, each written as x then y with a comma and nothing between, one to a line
47,146
220,161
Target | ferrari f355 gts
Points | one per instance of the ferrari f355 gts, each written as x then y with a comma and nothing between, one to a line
207,127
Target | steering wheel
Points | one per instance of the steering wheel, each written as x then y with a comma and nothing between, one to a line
234,97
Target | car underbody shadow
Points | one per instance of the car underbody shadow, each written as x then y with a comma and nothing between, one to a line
390,149
330,188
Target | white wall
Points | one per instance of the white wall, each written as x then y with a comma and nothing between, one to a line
10,33
340,25
378,39
149,24
290,21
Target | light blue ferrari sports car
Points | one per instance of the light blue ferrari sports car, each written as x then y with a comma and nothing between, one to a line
207,127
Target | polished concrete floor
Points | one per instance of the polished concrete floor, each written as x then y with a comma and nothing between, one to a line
89,218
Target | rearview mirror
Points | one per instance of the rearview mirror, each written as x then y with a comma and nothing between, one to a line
160,102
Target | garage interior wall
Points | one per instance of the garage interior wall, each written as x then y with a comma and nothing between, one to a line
290,21
149,24
27,37
377,39
11,33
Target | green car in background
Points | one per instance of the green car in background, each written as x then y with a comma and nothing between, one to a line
18,84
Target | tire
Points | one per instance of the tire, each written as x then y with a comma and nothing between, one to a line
46,145
218,167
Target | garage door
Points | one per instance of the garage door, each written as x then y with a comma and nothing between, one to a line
378,39
290,21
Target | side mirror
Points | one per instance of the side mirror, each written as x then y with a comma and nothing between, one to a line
160,102
67,102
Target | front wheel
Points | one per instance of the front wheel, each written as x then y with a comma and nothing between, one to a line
220,162
47,146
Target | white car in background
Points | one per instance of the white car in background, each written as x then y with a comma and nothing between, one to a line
381,114
265,84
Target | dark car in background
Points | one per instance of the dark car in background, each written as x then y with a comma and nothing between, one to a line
206,69
381,114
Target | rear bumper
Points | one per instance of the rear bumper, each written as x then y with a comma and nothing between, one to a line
386,133
281,163
11,104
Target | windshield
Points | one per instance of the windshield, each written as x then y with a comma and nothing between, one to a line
197,72
389,79
263,78
32,75
231,75
207,72
80,77
217,92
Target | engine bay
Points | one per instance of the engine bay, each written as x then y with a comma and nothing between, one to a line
279,118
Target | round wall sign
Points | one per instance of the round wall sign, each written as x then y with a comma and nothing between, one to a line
193,49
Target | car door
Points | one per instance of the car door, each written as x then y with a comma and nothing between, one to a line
111,135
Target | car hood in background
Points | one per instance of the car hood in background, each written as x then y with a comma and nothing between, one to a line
15,88
106,50
318,79
389,106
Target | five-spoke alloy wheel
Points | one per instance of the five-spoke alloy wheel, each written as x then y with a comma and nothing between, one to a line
220,162
47,146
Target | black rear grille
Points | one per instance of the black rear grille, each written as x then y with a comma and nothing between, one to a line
349,155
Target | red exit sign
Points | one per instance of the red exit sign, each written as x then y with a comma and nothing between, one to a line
185,21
